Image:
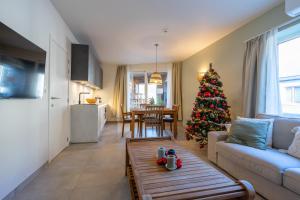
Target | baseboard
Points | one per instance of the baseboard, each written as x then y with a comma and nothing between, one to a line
22,185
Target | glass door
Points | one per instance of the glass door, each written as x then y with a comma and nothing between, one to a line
140,91
158,93
136,89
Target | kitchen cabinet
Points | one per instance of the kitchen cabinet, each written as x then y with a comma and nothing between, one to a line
87,122
101,78
85,67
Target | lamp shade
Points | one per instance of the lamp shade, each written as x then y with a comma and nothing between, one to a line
200,75
156,78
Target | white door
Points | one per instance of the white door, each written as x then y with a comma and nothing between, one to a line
59,111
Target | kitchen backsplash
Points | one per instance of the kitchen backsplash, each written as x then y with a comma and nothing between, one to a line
75,89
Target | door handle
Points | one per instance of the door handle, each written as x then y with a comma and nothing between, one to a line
52,98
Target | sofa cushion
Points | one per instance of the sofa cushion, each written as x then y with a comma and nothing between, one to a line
282,134
291,179
252,133
270,129
267,163
294,149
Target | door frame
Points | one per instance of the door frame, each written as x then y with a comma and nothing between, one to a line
68,53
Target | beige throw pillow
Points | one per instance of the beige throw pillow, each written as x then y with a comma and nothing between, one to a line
294,149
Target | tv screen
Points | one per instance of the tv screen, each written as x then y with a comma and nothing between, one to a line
22,66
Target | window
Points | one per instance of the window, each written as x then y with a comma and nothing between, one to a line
136,88
289,68
286,95
297,94
140,91
158,92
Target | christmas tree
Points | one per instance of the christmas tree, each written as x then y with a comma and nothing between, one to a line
210,111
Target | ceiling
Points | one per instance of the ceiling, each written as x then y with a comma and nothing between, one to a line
124,31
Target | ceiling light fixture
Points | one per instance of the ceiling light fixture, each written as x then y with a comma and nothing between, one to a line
156,76
165,30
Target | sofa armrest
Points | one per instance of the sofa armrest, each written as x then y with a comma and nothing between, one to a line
213,138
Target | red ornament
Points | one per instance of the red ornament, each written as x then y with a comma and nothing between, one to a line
162,161
179,163
211,106
207,94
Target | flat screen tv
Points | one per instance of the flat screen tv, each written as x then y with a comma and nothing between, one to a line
22,66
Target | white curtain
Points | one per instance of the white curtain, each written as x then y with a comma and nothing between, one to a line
261,76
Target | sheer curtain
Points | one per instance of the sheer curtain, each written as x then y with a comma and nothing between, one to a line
261,76
120,91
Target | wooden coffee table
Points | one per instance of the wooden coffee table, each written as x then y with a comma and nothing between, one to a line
195,180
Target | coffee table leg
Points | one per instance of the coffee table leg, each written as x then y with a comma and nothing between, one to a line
132,124
175,125
249,188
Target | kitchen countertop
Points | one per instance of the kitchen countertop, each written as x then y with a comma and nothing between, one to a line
86,104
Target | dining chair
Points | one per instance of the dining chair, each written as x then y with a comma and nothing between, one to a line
170,119
141,117
126,118
143,105
153,118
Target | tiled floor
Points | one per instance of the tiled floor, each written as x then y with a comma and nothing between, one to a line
93,171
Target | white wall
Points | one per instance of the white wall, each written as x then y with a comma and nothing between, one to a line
109,76
24,123
227,58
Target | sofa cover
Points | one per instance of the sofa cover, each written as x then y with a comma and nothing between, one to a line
269,163
282,135
291,179
275,175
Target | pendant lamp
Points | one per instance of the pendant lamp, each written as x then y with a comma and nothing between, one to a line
155,77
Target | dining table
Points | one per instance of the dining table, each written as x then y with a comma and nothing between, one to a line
140,112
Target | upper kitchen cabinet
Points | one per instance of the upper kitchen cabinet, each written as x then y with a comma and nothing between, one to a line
85,67
101,78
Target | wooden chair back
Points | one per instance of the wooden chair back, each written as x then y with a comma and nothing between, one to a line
124,114
153,115
144,105
176,108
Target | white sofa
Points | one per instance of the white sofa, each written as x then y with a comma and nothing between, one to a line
274,174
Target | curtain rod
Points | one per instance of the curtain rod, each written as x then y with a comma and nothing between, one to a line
278,27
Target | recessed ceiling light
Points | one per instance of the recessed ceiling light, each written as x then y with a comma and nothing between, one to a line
165,30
